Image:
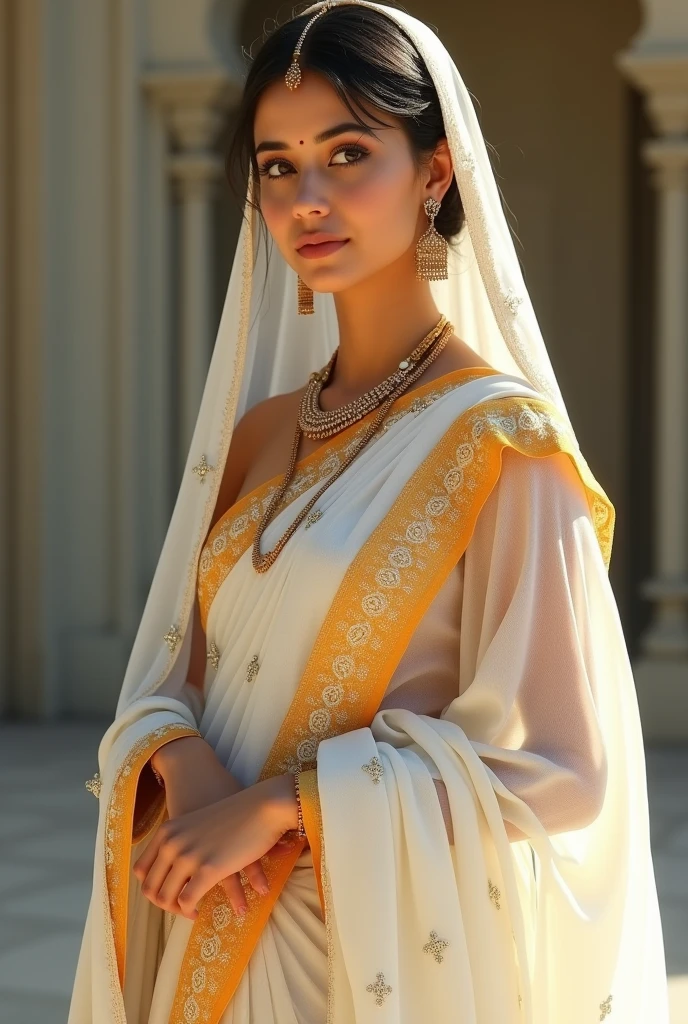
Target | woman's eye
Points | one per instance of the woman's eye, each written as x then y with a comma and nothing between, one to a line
344,157
357,152
268,168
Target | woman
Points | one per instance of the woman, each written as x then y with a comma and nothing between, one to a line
380,691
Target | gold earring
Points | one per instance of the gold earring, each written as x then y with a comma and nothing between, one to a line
304,298
431,248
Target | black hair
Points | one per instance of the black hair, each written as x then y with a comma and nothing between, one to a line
368,59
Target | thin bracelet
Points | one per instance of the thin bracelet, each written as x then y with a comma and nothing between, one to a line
300,831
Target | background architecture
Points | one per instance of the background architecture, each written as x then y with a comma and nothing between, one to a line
116,232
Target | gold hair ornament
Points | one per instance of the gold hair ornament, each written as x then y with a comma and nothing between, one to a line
293,75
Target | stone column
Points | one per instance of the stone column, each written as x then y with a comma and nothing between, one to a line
661,72
667,636
195,106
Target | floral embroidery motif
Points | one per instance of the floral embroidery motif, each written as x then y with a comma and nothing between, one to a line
172,637
312,517
380,988
252,669
198,979
495,894
191,1010
94,785
374,768
513,301
214,654
202,469
436,945
606,1007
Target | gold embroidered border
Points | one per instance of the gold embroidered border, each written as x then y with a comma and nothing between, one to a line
119,825
312,823
385,592
234,531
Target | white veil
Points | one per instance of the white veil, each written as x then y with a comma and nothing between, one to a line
264,348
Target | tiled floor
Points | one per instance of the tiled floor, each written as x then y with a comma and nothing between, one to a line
47,827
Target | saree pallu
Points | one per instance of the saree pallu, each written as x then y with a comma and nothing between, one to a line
379,918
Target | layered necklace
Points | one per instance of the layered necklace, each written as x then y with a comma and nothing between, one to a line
318,423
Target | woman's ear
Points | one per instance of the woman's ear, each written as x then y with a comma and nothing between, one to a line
439,172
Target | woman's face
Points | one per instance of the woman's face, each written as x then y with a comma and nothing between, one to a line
321,173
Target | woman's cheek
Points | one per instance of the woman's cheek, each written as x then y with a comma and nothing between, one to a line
278,220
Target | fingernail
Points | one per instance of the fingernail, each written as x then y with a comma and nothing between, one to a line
263,889
241,911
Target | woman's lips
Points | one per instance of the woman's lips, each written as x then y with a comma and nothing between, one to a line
314,252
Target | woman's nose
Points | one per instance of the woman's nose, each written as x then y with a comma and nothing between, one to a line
309,200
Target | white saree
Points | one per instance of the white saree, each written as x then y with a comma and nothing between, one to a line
445,624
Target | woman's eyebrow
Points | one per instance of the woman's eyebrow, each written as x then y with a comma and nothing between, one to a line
329,133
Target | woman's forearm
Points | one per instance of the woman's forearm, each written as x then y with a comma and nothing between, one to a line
184,754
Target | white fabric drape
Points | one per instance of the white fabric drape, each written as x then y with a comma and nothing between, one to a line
544,736
590,911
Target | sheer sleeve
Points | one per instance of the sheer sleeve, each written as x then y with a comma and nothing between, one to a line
508,630
525,624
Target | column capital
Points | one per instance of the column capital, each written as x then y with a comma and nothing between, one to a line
663,77
194,175
668,159
193,101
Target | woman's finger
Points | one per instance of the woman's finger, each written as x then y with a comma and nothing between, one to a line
201,882
235,893
257,877
167,855
142,866
171,888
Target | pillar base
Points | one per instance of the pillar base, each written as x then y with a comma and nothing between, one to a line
662,688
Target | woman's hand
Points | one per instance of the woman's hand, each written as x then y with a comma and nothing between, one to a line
190,854
195,778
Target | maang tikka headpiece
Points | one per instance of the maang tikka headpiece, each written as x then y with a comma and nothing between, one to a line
293,75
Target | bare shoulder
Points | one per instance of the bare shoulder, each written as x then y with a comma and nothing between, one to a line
253,434
457,355
260,423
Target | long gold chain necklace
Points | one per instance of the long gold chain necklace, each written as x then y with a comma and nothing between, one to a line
262,562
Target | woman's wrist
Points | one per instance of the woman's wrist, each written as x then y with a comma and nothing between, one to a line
171,754
281,801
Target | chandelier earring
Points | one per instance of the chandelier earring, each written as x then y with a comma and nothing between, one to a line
304,298
431,248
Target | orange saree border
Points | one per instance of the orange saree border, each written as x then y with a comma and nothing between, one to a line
382,598
119,828
312,823
234,531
